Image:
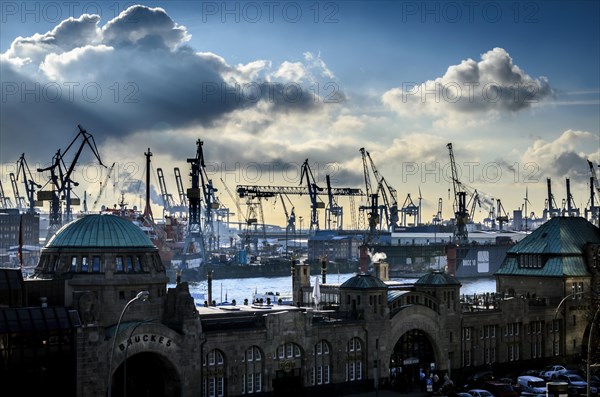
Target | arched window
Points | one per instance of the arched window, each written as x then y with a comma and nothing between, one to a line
253,369
289,356
354,360
214,374
320,374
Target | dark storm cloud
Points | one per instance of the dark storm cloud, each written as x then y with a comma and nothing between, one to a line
135,74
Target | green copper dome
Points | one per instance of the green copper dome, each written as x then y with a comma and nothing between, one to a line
436,277
363,281
100,231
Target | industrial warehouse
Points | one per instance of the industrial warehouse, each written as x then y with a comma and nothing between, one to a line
97,317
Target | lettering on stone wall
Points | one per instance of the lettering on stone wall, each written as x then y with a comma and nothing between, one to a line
146,338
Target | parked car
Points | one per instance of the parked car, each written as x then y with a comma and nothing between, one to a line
552,371
577,385
531,385
480,393
500,389
476,380
513,383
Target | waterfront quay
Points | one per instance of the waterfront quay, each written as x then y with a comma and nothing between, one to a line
88,324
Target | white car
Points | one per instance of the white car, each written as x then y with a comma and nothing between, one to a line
532,385
480,393
552,371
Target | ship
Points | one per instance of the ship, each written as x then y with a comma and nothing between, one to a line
413,252
477,259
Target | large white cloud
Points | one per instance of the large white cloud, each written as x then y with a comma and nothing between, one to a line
566,156
471,92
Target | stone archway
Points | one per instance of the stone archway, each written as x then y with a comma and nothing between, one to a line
146,374
412,353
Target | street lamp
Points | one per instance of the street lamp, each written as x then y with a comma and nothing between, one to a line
572,296
143,296
126,350
589,351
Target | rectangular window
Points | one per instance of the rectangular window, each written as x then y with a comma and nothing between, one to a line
250,383
96,264
138,264
73,264
129,264
466,333
258,382
220,386
84,264
319,375
326,375
119,264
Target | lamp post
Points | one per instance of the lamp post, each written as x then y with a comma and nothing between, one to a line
572,296
126,350
589,351
143,296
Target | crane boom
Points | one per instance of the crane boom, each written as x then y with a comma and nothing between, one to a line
460,202
30,184
61,179
391,205
371,198
19,200
167,197
4,200
102,187
594,178
180,189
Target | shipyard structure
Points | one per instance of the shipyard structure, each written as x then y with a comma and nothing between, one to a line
97,318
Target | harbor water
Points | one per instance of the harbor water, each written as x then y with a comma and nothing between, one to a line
227,290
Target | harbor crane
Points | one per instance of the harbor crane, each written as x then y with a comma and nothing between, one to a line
194,196
61,180
501,215
569,206
333,213
167,198
390,204
28,181
372,208
240,213
19,200
312,190
551,209
102,187
180,190
594,191
5,201
437,218
290,217
460,203
409,209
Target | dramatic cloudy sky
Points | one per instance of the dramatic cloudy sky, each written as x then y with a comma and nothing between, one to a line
514,86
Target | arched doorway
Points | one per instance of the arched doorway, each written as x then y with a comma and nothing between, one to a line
146,374
412,354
